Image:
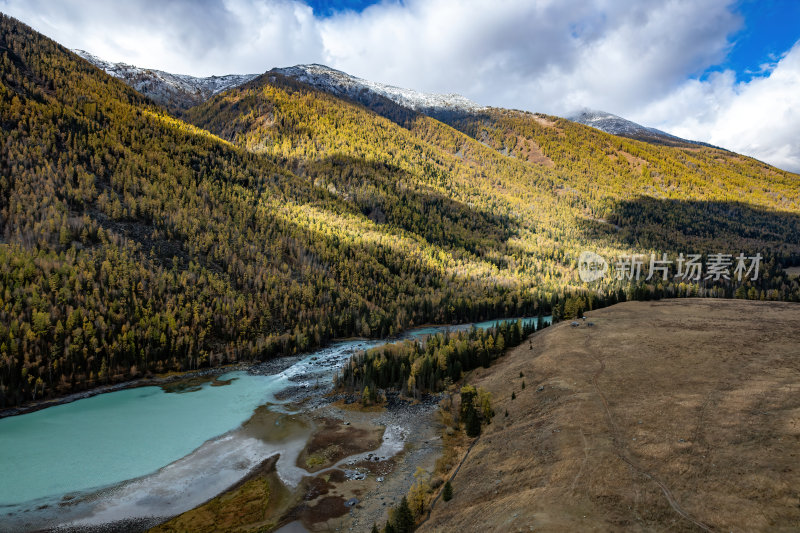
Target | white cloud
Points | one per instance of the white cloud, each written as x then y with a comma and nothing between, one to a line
635,59
551,56
545,55
199,37
760,117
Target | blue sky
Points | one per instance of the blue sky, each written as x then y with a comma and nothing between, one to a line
325,9
725,72
769,29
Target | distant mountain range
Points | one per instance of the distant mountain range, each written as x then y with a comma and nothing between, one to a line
180,91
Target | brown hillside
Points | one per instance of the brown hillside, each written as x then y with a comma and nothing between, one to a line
679,415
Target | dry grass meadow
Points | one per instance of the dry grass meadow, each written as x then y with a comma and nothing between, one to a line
679,415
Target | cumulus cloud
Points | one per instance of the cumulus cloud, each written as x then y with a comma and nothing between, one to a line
199,37
547,56
640,59
760,117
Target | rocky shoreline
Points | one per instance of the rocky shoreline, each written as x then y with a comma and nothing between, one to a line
357,487
262,368
376,481
129,525
351,479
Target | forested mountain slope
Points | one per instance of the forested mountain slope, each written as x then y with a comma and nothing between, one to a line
641,194
275,217
621,188
558,186
134,242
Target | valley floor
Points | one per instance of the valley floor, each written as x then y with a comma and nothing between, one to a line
678,415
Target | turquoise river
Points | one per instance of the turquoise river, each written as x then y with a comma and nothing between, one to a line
145,452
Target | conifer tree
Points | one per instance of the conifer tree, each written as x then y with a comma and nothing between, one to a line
403,517
447,492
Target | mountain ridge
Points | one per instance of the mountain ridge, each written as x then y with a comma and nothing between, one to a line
616,125
174,91
179,92
343,84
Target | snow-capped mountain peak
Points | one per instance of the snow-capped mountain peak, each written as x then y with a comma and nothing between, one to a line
610,123
617,125
171,90
342,84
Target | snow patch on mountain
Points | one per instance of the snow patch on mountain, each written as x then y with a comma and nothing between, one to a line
609,123
340,83
171,90
617,125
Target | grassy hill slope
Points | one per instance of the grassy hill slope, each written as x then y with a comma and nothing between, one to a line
675,414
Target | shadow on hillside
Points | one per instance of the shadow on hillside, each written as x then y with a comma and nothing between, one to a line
701,226
390,195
